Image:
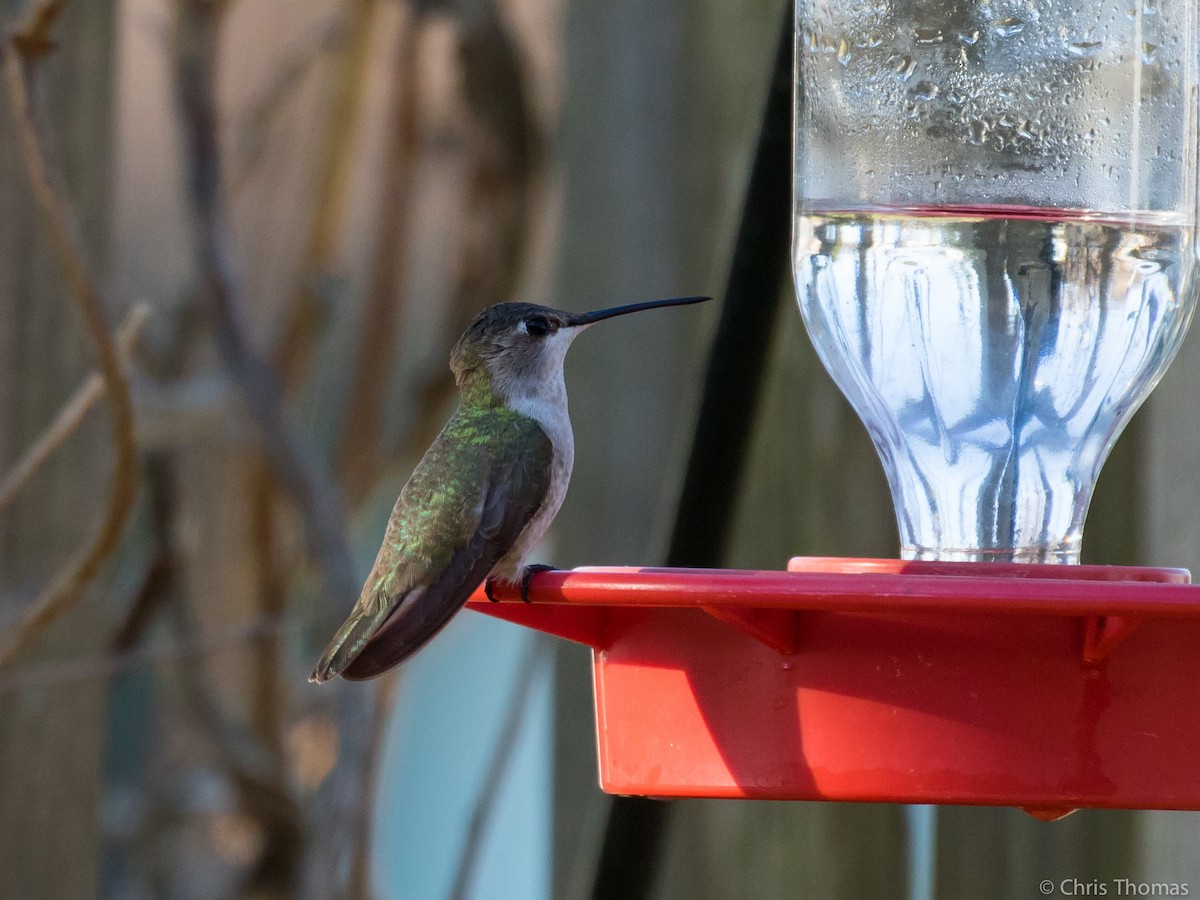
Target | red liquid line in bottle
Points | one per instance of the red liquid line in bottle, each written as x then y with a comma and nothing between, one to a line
990,211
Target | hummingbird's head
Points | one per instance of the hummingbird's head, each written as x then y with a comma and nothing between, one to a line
511,346
515,348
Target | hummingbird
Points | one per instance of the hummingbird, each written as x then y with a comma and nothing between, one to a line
485,491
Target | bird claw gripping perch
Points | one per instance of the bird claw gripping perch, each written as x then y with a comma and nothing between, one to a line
531,570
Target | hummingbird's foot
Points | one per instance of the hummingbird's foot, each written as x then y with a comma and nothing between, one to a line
530,571
488,585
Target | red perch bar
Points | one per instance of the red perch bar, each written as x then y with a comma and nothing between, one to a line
1043,687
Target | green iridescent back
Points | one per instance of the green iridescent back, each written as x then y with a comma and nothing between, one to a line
439,509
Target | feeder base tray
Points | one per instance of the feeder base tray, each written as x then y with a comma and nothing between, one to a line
1043,687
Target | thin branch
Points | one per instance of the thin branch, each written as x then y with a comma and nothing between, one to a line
257,774
297,471
72,413
270,690
505,152
146,604
24,678
33,38
255,123
325,865
360,454
51,196
344,106
502,756
343,798
343,807
360,867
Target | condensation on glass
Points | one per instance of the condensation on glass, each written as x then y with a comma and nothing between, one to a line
995,246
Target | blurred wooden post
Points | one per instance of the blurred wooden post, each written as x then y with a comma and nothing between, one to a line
622,239
1166,482
52,736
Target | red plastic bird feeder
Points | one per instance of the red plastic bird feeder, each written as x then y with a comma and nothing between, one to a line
1040,686
994,310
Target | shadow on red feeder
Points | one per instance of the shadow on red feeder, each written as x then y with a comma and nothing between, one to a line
1039,686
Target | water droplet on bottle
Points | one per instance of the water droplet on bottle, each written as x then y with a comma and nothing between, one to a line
1149,52
1084,49
970,38
903,66
924,91
929,34
1008,27
843,52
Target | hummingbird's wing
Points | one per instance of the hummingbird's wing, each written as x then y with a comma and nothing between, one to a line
461,511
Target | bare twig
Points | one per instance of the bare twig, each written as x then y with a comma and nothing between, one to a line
72,413
254,124
344,109
343,798
165,362
293,465
27,677
270,688
360,454
254,769
360,868
146,603
493,780
326,863
505,151
257,774
52,199
32,39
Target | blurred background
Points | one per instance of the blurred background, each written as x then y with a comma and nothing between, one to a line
274,219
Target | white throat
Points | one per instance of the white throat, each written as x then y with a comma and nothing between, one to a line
541,395
541,392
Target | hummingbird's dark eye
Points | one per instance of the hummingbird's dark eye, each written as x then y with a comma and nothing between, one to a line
537,326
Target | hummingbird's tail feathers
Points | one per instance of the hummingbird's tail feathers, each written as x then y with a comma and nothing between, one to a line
384,632
421,615
347,643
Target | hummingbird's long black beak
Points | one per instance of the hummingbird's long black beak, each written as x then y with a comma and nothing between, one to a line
597,315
